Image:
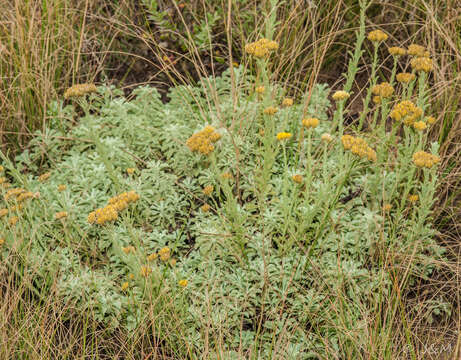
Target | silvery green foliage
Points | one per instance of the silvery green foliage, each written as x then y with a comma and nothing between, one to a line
264,269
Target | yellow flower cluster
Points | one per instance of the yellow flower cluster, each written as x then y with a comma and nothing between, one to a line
431,120
340,95
145,271
261,48
130,171
405,77
19,195
283,136
311,122
125,286
287,102
62,187
260,89
383,90
358,146
417,50
164,253
2,180
205,207
128,249
397,51
13,220
80,90
203,140
413,198
270,110
377,36
110,212
421,64
227,175
183,282
424,159
419,125
60,215
387,207
407,112
297,178
208,190
44,177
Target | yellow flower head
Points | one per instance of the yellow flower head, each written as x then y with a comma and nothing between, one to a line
131,276
405,77
128,249
418,51
205,207
377,99
423,159
13,220
431,120
145,271
261,48
44,177
384,90
358,146
164,253
421,64
340,95
227,175
203,140
419,125
297,178
311,122
80,90
2,241
152,257
413,198
24,196
387,207
287,102
377,36
326,138
260,89
62,187
2,180
270,110
397,51
283,136
407,112
1,168
208,190
60,215
183,282
130,171
125,286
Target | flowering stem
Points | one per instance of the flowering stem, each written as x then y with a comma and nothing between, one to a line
367,99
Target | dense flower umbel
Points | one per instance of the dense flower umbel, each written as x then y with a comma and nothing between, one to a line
424,159
407,112
44,177
413,198
397,51
421,64
358,146
417,50
405,77
13,193
110,212
164,253
270,110
287,102
62,187
80,90
419,125
431,120
377,36
261,48
208,190
260,89
205,207
60,215
297,178
183,282
383,90
311,122
340,95
283,136
203,140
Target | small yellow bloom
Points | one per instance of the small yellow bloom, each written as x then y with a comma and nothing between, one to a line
164,253
130,171
283,136
270,110
377,36
128,249
340,95
203,140
384,90
208,190
152,257
311,122
145,271
260,89
1,168
62,187
405,77
183,282
227,175
261,48
44,177
413,198
431,120
2,241
387,207
397,51
60,215
419,125
287,102
235,64
418,51
2,180
125,286
80,90
205,207
377,99
13,220
423,159
326,138
358,146
421,64
131,276
407,112
297,178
